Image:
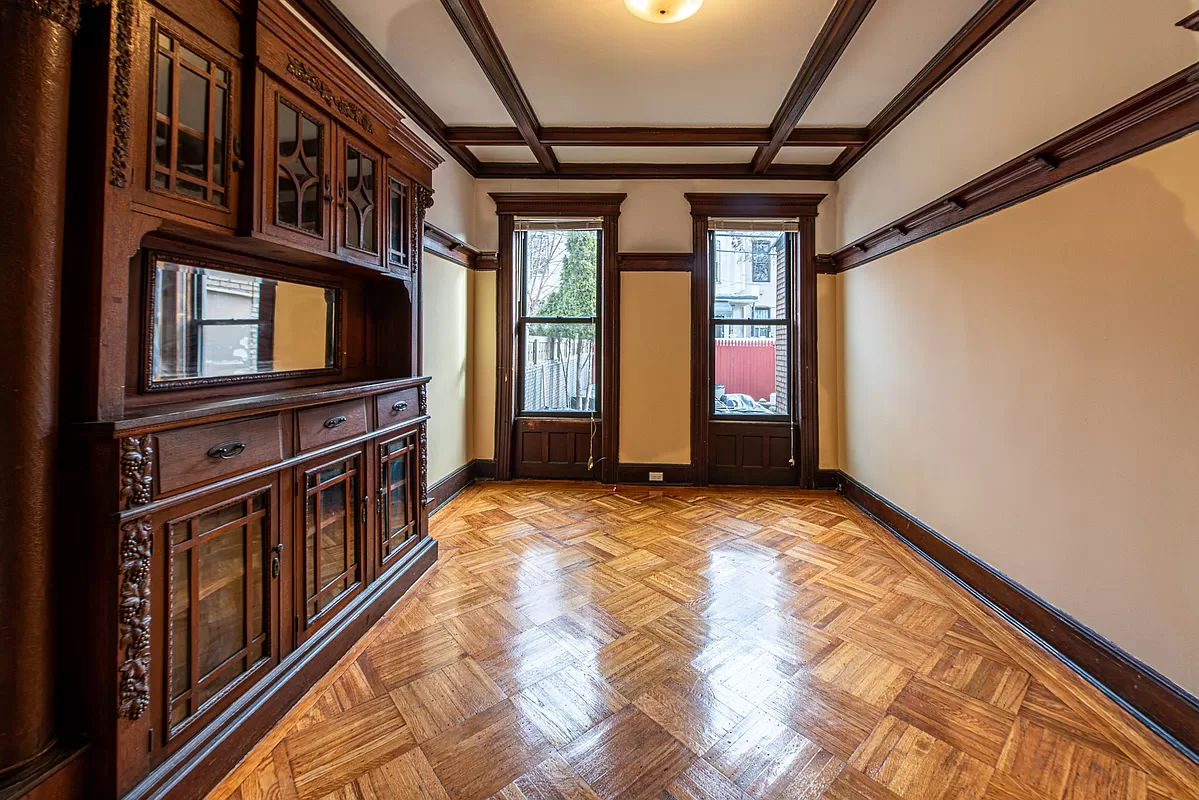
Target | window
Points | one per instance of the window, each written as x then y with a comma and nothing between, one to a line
557,319
751,278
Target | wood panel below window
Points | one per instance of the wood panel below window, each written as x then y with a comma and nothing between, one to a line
556,448
753,453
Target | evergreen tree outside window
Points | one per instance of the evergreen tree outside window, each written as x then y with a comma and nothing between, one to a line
557,320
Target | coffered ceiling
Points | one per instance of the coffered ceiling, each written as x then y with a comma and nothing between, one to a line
582,88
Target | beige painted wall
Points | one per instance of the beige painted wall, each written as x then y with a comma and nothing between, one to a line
482,365
655,217
1026,385
655,368
446,295
1058,64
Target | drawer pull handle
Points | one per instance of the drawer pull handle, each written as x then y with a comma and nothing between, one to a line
333,422
398,406
227,450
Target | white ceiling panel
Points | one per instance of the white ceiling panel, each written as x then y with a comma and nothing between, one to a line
655,155
808,155
424,47
509,154
894,43
591,62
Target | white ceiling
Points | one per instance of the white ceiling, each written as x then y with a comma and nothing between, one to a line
424,47
896,40
592,63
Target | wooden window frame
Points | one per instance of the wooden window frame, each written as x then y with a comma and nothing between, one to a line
804,411
509,205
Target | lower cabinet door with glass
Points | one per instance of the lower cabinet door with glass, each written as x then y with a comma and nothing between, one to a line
396,496
332,495
222,569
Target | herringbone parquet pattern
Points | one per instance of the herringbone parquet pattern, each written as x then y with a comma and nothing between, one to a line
587,643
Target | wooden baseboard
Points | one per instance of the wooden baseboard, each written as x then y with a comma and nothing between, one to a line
672,474
453,484
1156,701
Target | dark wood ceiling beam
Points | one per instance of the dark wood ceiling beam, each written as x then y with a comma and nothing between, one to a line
1191,23
814,172
472,23
834,37
657,137
332,23
984,26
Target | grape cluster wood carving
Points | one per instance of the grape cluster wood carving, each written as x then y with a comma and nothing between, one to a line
135,617
137,473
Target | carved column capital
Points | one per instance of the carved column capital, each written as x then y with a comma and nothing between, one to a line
62,12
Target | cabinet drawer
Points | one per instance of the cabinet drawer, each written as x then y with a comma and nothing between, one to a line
395,407
190,456
328,424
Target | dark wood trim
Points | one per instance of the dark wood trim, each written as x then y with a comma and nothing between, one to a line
560,204
332,24
1191,23
657,136
831,479
984,26
654,262
700,368
448,246
608,356
1158,115
1155,700
842,23
476,30
505,344
487,262
807,367
583,171
741,204
450,486
483,469
672,474
826,264
803,325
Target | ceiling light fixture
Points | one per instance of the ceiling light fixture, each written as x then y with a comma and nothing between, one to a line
663,11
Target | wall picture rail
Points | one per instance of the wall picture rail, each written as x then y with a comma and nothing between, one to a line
1158,115
442,243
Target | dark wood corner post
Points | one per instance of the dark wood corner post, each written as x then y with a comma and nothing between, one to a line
809,390
35,64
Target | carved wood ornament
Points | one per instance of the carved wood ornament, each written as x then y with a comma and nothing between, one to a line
423,396
136,536
137,470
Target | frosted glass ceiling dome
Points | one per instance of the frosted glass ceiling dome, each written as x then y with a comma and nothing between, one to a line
663,11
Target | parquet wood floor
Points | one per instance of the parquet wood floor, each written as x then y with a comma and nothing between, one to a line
580,643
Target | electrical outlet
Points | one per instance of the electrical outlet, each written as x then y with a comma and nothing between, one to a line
656,476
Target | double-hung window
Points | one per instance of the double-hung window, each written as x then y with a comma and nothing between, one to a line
557,321
752,274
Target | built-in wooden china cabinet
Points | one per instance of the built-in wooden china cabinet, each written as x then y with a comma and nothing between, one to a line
239,482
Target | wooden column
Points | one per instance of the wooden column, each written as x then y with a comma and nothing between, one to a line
35,63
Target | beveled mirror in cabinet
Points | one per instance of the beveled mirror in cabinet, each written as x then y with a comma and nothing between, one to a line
210,324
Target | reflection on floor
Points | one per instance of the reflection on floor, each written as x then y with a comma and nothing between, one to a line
584,643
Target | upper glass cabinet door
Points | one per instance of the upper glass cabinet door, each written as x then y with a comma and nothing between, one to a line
192,110
300,169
